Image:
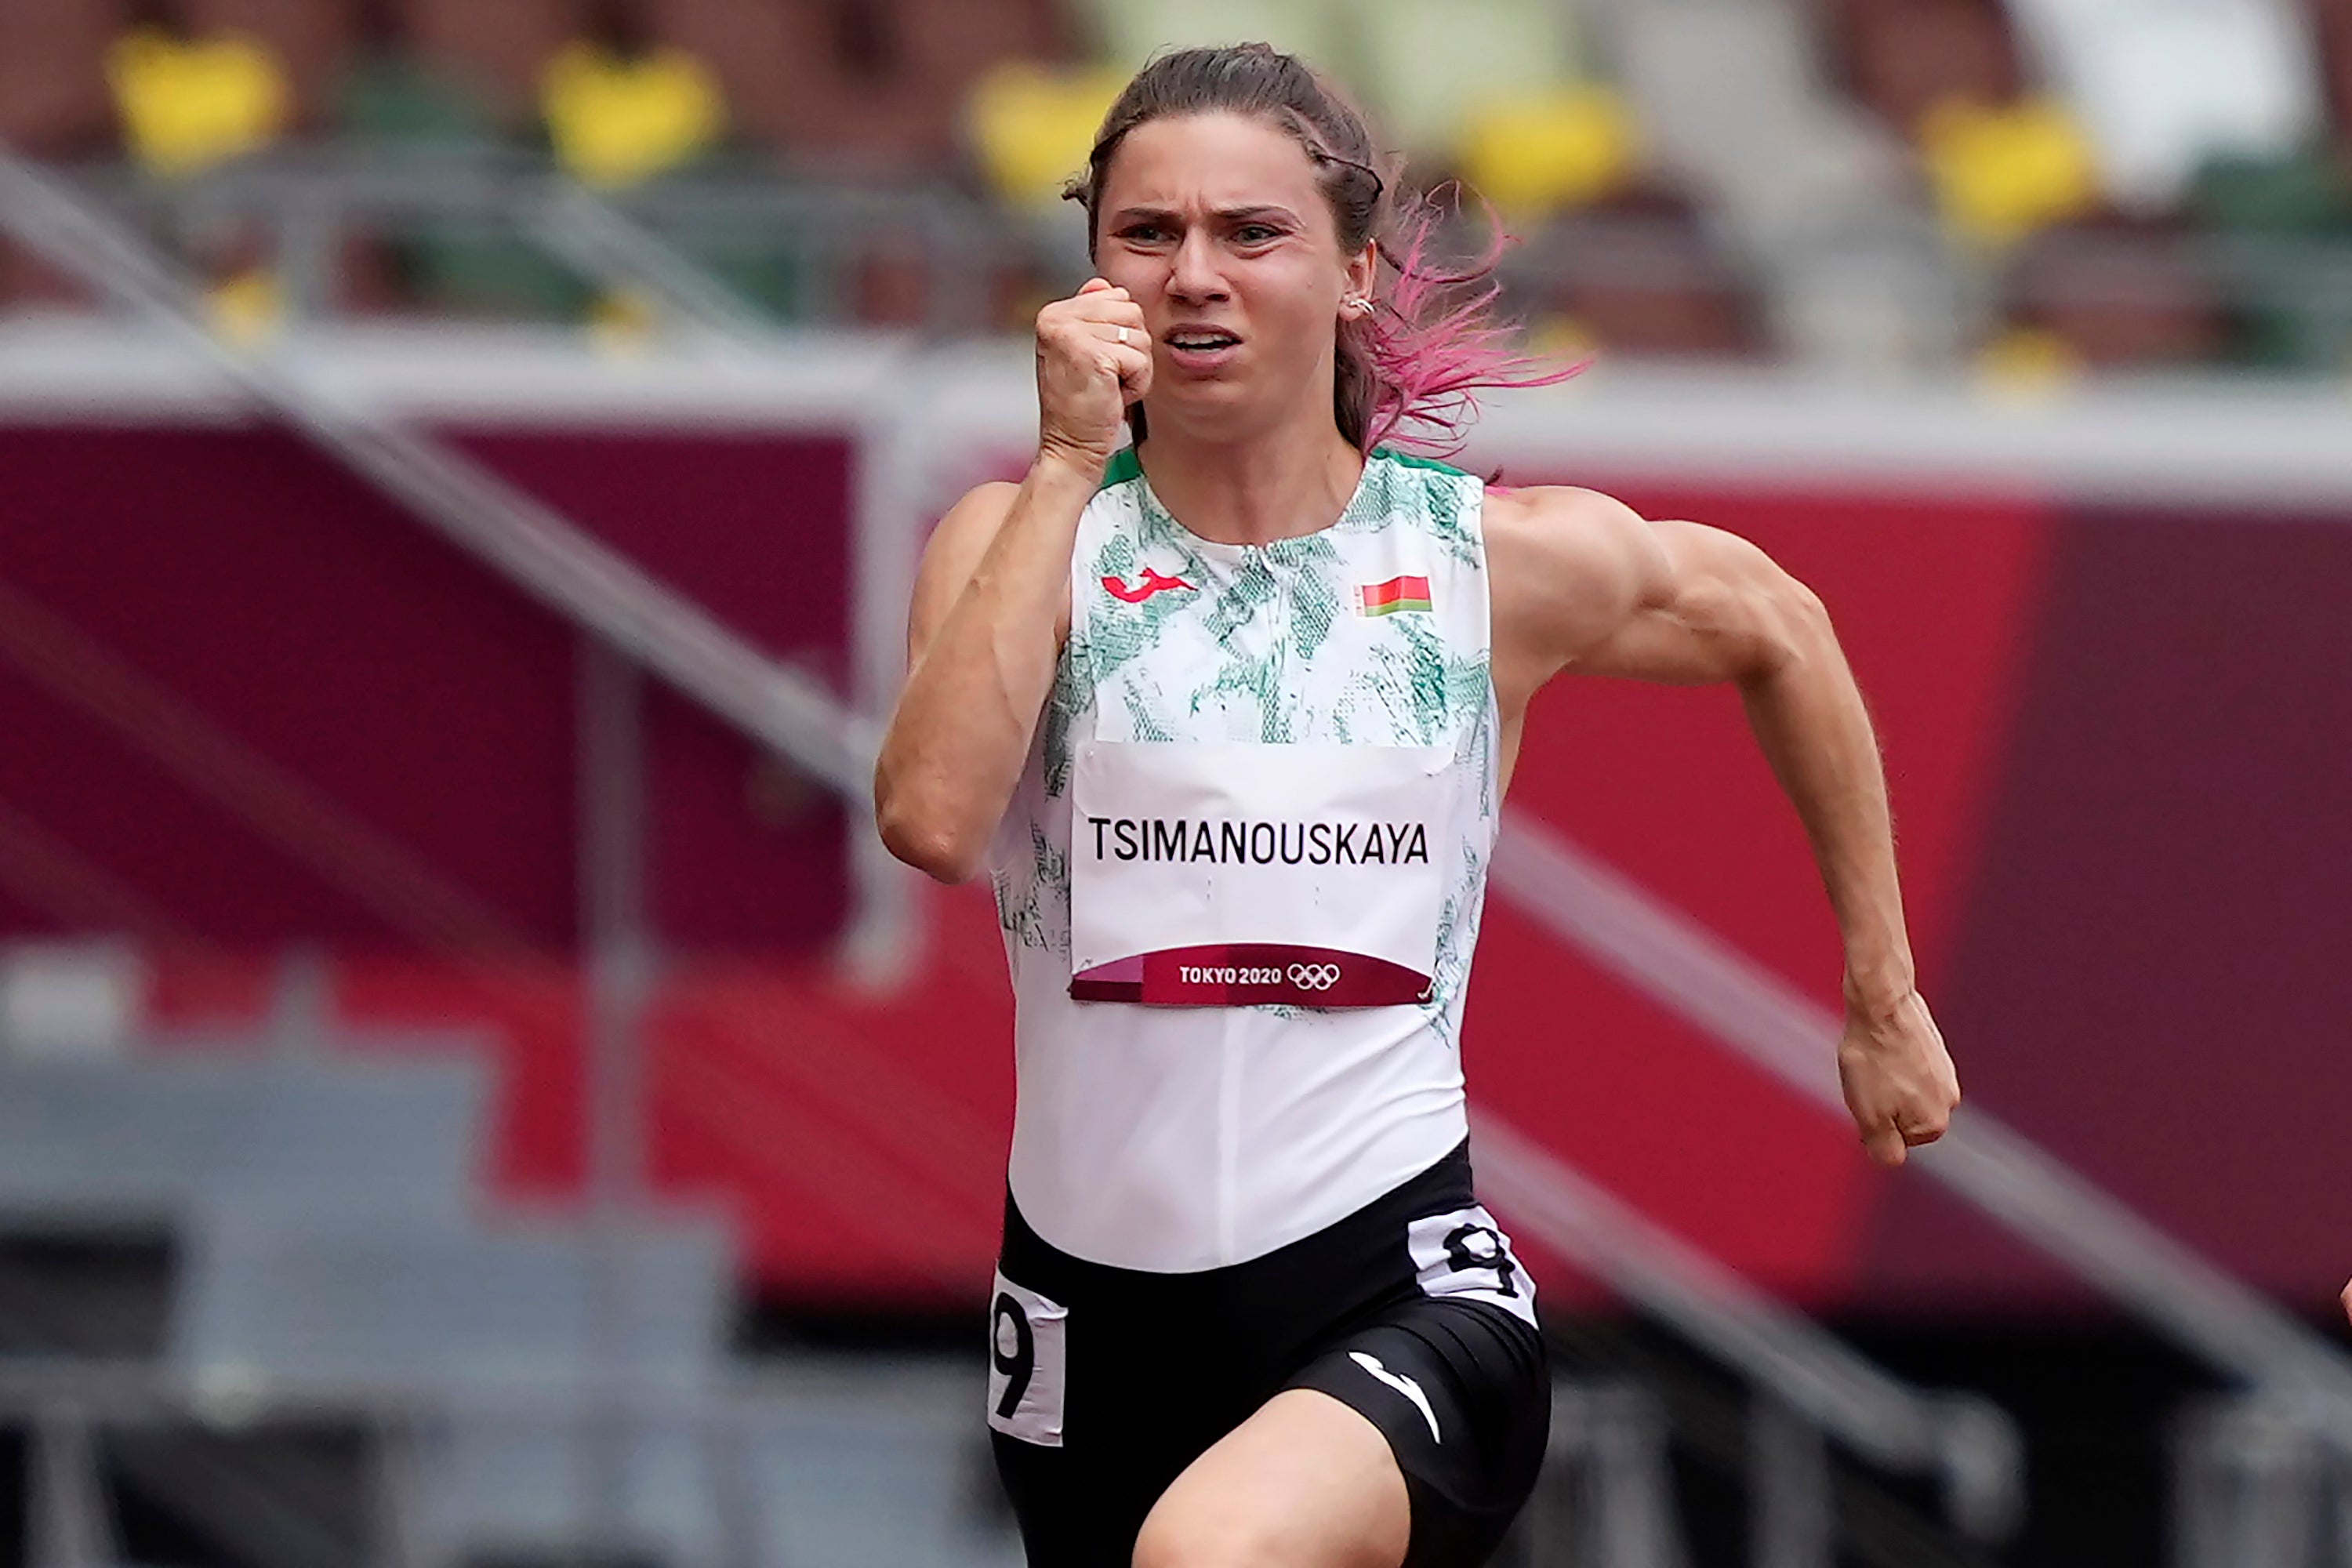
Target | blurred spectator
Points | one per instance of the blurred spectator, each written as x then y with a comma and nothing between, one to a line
1903,57
2164,86
2000,172
2291,222
881,91
622,106
2110,296
402,94
1493,91
187,103
1731,99
309,40
1495,83
1430,74
1814,197
861,89
2216,108
1539,151
1639,277
1033,125
2001,162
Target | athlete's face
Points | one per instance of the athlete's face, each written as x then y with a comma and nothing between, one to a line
1216,226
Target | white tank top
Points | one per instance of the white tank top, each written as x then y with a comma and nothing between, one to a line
1200,720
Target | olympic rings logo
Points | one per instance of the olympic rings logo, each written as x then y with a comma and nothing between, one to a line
1314,976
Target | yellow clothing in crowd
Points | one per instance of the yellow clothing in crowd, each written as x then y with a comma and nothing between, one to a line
187,105
2000,174
1536,152
615,122
1033,125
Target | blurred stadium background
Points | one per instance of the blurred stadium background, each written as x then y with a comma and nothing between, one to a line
472,1093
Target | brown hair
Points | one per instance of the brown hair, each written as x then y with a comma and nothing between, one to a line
1433,341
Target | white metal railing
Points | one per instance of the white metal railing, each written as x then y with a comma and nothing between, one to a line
311,198
603,243
814,233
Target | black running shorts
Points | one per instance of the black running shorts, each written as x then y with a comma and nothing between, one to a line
1106,1383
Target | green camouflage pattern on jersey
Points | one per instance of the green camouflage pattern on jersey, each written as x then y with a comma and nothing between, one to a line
1266,644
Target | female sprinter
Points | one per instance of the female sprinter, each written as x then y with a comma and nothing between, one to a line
1229,716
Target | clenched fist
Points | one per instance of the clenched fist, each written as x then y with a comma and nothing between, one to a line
1094,358
1899,1080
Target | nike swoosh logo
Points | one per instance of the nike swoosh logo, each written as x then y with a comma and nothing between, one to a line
1404,1385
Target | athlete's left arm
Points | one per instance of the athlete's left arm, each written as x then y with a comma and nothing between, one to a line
1582,583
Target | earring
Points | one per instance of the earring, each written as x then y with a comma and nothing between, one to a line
1360,305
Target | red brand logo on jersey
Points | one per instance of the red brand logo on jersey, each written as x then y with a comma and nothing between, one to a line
1152,584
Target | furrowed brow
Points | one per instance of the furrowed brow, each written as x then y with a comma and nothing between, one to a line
1258,214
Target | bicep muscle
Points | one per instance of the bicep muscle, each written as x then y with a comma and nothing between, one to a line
1721,613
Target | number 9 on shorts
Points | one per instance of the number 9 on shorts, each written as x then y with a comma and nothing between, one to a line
1027,1364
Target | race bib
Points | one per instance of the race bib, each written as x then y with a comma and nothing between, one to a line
1028,1364
1466,1254
1231,874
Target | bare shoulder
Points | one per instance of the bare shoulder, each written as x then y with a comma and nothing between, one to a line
1569,564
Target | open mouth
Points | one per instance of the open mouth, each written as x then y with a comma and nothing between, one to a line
1198,341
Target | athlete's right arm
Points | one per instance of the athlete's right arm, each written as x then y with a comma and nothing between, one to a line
992,604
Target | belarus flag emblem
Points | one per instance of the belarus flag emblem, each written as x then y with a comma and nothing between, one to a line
1396,593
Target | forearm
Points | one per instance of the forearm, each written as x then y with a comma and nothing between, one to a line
1706,606
960,735
1808,717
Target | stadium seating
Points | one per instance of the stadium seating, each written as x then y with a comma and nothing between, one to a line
1548,150
1033,126
1810,154
2161,91
615,119
187,104
2002,172
1425,71
147,1143
321,1229
275,1292
1130,32
53,96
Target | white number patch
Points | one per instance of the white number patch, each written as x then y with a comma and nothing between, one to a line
1465,1253
1028,1364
